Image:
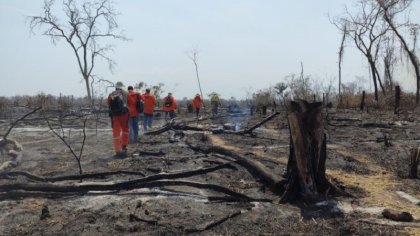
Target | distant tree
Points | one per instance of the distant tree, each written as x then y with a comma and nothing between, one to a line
364,28
279,89
340,58
390,10
389,59
85,23
193,55
300,85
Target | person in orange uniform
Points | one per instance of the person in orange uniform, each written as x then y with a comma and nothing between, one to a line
169,106
197,103
149,106
133,119
117,101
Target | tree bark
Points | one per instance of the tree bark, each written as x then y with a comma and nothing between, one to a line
306,165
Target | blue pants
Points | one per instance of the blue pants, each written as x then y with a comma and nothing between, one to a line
133,123
147,121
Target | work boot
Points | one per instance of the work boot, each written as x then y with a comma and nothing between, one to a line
124,151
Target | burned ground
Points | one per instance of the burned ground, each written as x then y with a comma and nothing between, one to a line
358,163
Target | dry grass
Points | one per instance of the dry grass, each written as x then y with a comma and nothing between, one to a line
379,186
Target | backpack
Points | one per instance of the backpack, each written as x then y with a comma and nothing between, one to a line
139,105
168,101
117,106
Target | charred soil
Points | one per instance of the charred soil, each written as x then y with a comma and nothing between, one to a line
221,197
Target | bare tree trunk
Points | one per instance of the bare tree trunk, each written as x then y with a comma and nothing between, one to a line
89,95
375,85
306,165
397,99
362,103
340,61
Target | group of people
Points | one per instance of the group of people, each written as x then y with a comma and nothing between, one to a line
125,108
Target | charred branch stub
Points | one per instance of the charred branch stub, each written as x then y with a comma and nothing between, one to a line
306,166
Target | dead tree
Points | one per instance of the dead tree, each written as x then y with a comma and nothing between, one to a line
367,34
193,55
84,27
306,165
415,160
62,137
390,11
340,60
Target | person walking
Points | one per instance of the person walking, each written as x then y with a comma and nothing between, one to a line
149,105
169,106
197,103
215,103
134,98
117,102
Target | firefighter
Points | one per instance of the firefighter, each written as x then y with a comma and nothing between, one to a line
117,101
149,106
134,109
169,106
197,103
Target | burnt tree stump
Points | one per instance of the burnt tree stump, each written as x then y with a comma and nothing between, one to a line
305,174
415,160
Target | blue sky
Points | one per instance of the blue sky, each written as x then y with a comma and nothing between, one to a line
244,45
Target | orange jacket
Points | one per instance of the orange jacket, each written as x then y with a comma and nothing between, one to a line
133,96
197,102
169,107
149,103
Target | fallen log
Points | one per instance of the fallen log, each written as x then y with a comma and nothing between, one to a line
397,215
100,175
149,181
173,126
257,169
375,125
249,130
127,185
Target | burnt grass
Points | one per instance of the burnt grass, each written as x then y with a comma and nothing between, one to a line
355,153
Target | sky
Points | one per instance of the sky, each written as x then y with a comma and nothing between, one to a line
244,46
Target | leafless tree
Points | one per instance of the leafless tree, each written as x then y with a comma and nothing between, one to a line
364,28
389,61
340,58
193,55
85,24
66,141
390,10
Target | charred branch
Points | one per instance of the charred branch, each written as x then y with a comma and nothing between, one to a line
16,121
257,169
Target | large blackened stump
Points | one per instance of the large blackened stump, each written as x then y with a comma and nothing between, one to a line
306,165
